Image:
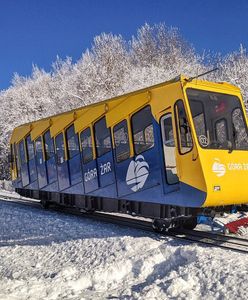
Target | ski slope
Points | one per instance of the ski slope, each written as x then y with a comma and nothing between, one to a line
49,255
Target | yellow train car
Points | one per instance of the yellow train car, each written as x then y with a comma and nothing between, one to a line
168,152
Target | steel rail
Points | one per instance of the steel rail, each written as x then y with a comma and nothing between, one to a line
233,243
219,237
212,239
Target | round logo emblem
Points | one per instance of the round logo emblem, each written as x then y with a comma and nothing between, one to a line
218,168
137,173
203,140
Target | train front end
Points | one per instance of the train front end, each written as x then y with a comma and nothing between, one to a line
219,129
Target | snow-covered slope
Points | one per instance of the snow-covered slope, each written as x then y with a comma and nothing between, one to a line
47,255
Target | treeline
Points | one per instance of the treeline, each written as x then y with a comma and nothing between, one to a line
111,67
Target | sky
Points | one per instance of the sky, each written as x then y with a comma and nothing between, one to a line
36,31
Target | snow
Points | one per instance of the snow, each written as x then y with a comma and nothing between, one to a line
8,193
50,255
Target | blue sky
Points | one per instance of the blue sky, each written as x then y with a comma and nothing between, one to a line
35,31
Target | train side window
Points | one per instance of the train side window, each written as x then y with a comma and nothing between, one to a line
60,148
198,115
142,127
22,152
49,145
122,148
38,151
102,137
17,160
169,149
87,147
11,157
72,142
30,148
183,128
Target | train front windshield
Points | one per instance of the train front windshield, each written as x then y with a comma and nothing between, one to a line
218,119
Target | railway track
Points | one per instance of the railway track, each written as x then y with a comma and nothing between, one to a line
213,239
233,243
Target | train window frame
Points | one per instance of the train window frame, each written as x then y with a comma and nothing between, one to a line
88,160
51,140
179,145
143,131
38,162
223,108
122,124
102,150
70,152
28,144
60,161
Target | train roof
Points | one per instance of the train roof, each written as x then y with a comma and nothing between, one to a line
59,120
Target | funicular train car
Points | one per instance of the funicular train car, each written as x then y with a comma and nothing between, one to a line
168,152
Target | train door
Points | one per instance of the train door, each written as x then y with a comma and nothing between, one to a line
122,156
62,165
90,176
40,163
74,159
186,159
169,150
23,163
104,153
50,158
142,171
31,160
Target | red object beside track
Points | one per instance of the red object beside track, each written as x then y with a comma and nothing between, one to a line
235,225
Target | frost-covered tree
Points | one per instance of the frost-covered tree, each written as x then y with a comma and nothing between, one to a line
100,71
159,53
163,47
233,68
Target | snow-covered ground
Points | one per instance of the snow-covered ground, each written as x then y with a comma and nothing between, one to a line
48,255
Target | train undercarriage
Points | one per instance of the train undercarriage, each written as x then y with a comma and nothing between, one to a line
164,216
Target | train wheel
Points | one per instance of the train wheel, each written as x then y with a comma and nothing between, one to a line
160,225
190,223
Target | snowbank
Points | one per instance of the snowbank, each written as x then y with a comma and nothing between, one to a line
6,185
47,255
